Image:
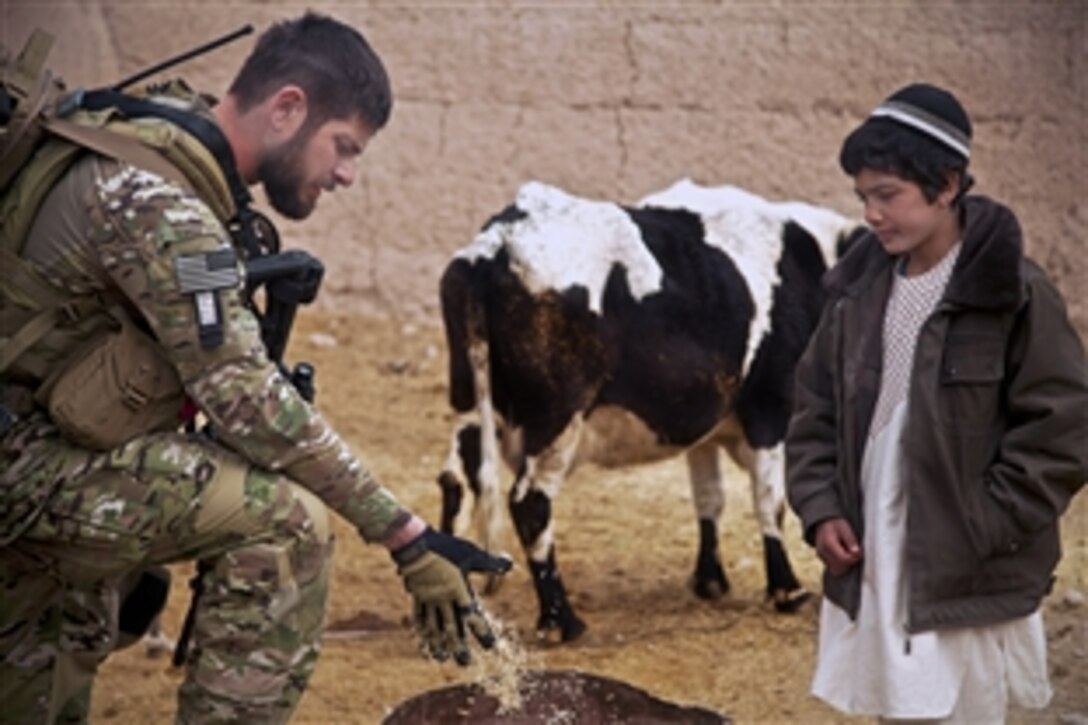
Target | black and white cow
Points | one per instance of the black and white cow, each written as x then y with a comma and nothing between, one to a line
582,330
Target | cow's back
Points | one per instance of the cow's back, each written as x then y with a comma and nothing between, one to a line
681,316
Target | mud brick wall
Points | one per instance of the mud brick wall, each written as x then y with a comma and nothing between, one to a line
614,100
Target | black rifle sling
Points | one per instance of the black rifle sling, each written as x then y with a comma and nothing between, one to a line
207,133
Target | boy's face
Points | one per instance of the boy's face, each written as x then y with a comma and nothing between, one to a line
900,216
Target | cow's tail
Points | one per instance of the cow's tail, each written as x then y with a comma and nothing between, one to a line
463,317
465,322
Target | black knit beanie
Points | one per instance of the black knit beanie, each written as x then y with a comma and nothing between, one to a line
932,111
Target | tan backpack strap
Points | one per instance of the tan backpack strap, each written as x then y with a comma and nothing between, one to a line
158,147
121,142
117,146
27,68
203,172
33,90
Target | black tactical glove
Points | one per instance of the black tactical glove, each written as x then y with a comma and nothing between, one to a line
435,568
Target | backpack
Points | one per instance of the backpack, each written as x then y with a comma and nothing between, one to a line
44,127
28,92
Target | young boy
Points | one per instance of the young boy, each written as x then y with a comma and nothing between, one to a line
939,432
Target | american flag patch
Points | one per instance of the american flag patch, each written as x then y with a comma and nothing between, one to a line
208,271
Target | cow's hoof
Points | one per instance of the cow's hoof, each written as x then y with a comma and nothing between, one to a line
712,587
554,631
573,628
788,602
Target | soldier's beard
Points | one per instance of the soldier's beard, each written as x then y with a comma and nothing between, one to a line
280,173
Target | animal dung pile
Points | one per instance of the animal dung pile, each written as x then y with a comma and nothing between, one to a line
558,697
361,624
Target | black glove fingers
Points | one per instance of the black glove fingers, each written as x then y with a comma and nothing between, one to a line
465,554
432,631
461,653
459,622
452,632
466,598
482,562
480,627
499,564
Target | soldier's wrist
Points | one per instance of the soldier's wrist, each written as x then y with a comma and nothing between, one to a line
409,532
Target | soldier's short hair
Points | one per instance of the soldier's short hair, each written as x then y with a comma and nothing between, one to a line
331,61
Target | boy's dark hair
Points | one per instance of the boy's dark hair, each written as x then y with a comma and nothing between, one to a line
331,61
889,140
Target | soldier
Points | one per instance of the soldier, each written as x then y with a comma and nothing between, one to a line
135,274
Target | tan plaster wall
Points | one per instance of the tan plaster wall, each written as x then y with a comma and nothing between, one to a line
614,100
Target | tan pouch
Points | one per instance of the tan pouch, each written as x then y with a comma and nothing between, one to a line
117,388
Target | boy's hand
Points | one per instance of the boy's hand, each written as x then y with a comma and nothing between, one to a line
837,546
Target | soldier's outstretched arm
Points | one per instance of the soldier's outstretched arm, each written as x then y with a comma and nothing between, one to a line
170,257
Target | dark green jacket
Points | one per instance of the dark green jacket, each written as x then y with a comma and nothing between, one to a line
996,442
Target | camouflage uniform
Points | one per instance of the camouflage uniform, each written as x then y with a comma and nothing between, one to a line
77,522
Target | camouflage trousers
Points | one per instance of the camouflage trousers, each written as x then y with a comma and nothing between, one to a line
160,499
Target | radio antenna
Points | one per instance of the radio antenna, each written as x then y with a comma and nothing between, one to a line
182,57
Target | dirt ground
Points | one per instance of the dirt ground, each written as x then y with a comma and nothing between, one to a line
626,545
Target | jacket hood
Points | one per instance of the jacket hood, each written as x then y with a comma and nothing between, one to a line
987,273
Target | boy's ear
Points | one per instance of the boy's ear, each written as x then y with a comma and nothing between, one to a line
950,191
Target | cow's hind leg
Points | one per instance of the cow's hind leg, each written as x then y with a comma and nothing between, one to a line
768,474
709,580
766,469
782,586
532,515
531,508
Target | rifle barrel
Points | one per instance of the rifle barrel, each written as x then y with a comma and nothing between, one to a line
181,57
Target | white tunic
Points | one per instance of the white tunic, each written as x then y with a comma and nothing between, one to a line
873,666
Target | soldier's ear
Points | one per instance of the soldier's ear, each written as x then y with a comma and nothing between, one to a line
287,110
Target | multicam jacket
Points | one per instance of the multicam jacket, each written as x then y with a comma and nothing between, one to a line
996,440
112,228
